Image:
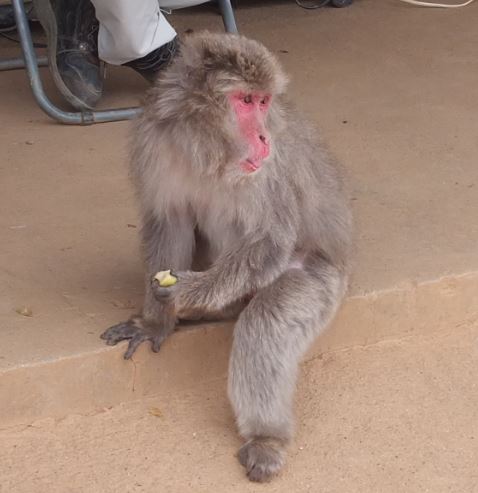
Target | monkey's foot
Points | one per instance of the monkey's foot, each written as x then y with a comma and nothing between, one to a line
262,458
134,331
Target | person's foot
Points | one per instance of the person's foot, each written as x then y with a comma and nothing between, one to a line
7,17
149,65
72,30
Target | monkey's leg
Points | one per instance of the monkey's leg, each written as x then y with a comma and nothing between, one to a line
270,337
167,244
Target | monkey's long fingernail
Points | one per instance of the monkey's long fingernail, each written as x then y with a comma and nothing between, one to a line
156,346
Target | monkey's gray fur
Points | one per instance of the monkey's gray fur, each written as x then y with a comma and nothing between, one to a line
273,245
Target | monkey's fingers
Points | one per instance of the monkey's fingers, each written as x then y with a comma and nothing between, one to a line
139,338
160,292
137,335
156,344
119,332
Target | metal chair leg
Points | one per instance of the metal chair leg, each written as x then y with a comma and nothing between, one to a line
17,63
228,16
31,64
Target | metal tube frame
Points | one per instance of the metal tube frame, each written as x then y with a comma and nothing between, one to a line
31,63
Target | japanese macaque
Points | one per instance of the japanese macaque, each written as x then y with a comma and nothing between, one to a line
240,200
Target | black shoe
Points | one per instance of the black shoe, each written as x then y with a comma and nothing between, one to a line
72,31
7,17
149,65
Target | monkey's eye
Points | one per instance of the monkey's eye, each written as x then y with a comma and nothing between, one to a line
247,99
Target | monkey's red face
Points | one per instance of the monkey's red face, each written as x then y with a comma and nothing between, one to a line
250,110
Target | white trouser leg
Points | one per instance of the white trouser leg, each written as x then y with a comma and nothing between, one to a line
130,29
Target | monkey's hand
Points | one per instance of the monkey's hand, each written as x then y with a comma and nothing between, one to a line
188,294
136,331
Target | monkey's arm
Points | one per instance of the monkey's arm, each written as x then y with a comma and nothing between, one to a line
253,264
167,243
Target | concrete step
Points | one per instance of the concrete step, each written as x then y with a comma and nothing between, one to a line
398,416
86,376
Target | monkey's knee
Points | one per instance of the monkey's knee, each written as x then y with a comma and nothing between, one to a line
262,457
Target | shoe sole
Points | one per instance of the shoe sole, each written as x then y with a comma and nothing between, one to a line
47,19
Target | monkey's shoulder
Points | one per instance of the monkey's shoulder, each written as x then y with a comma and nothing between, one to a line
305,161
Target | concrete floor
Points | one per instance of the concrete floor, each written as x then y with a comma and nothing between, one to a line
394,89
395,417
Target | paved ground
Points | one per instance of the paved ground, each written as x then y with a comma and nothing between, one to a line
393,417
403,79
395,90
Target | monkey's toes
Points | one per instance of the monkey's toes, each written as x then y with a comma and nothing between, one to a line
136,336
263,458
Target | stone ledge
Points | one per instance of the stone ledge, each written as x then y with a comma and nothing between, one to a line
92,380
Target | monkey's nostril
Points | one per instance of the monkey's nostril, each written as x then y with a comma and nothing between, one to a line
263,139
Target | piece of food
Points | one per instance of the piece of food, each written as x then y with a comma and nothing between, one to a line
165,278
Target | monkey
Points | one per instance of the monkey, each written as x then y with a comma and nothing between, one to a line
241,199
